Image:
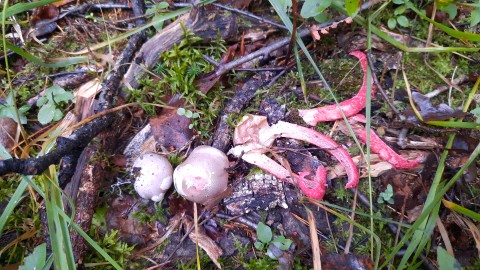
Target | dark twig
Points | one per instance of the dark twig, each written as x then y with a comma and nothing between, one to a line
393,228
72,146
251,16
379,87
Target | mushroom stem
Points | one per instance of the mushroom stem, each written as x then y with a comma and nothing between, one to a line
381,148
349,107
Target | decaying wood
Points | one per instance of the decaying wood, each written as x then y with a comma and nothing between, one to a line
206,25
70,147
91,175
222,137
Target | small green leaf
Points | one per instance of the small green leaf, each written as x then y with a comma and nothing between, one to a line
282,243
58,115
474,17
259,245
389,189
312,8
446,261
36,260
181,111
399,10
403,21
352,6
188,114
398,2
285,4
41,101
476,113
451,10
196,115
46,113
57,94
392,23
264,233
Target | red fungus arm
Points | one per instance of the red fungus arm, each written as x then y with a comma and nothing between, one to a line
288,130
316,187
349,107
378,146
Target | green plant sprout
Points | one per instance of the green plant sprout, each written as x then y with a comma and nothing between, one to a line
386,196
476,113
189,114
398,17
49,111
8,110
265,240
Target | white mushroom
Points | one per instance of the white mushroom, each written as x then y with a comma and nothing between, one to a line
202,175
153,176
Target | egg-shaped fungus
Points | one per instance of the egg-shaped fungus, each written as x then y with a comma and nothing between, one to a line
202,175
153,176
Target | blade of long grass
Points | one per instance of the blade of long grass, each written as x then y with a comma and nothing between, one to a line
21,7
317,261
356,224
286,21
451,124
428,209
300,73
63,226
377,31
12,203
452,32
59,62
461,210
90,241
422,228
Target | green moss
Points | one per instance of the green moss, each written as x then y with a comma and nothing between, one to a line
177,73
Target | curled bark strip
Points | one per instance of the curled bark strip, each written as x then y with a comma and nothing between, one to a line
349,107
381,148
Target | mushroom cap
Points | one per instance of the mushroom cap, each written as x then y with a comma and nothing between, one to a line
202,175
153,176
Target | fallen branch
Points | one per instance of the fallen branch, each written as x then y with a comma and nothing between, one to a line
72,145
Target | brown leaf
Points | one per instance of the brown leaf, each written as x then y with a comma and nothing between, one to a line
171,130
44,13
206,243
8,129
346,262
430,113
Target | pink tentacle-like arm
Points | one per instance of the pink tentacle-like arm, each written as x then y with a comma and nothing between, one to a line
378,146
315,188
349,107
288,130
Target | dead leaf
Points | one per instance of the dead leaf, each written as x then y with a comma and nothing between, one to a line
8,130
414,213
206,243
346,262
171,130
430,113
